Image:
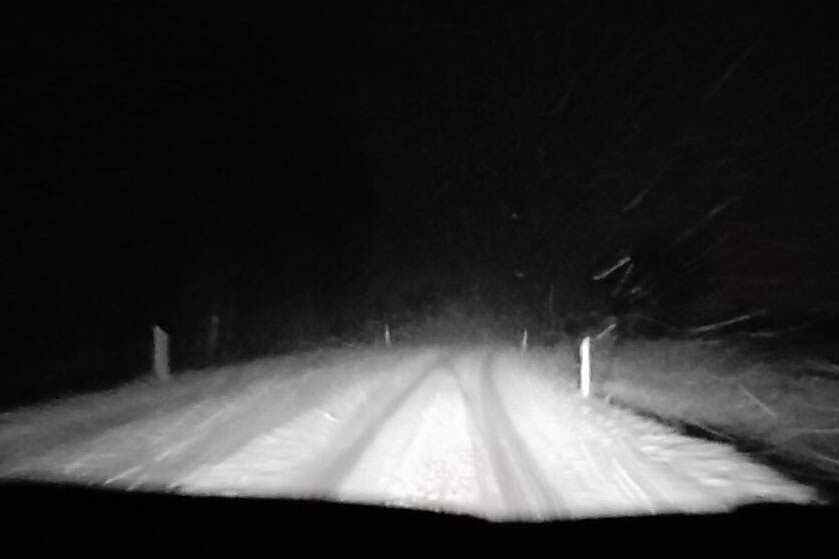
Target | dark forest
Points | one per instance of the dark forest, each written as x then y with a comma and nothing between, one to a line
308,175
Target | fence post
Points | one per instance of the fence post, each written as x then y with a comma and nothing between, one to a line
212,339
160,353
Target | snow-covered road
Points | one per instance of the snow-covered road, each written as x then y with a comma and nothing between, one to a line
480,430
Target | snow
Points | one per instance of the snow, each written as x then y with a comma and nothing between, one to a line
486,431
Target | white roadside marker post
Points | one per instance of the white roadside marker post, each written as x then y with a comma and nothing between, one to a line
387,335
585,367
524,341
160,353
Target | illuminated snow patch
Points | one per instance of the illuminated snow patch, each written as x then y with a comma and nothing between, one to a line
492,435
482,431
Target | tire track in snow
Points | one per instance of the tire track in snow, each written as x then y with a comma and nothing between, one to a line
362,431
525,489
303,457
164,448
424,456
271,409
607,461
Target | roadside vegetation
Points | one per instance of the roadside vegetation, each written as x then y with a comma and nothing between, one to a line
782,411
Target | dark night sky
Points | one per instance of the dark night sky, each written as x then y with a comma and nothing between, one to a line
166,159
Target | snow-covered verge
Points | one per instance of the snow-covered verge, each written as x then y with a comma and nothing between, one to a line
482,430
784,412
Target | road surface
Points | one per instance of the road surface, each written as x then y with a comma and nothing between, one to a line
486,431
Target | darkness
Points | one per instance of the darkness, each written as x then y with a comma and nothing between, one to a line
304,173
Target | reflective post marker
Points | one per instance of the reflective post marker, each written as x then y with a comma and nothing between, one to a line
585,367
